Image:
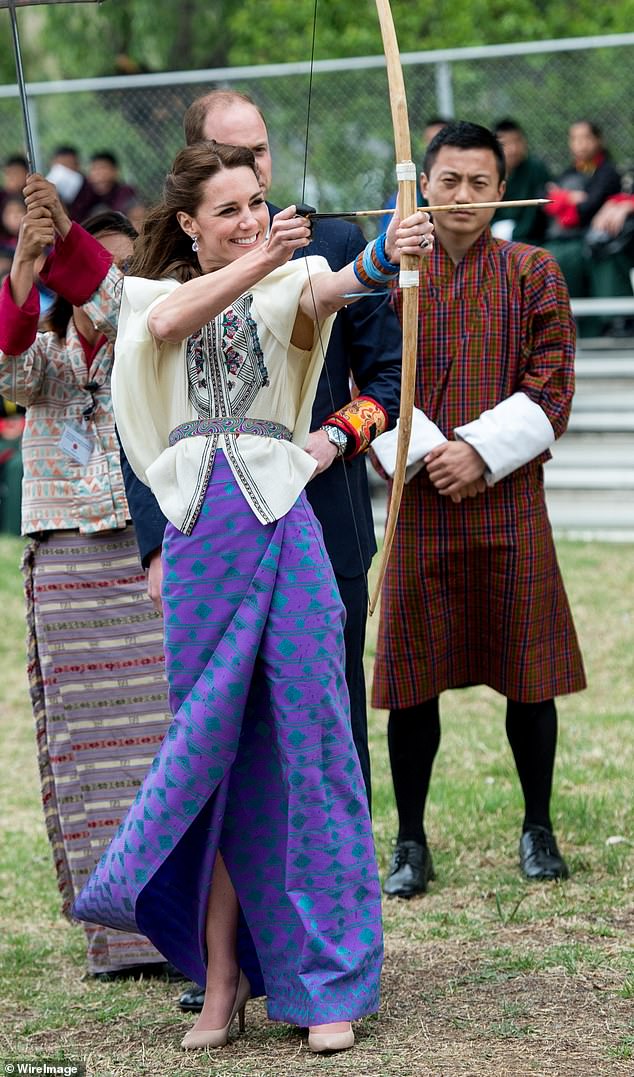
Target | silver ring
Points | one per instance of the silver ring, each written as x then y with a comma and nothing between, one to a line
424,243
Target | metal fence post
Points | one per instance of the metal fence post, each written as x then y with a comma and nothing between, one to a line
444,89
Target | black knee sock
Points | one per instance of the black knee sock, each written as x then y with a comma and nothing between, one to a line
531,729
413,736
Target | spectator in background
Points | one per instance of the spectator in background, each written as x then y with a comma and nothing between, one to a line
14,176
105,180
68,157
71,184
11,215
610,243
614,215
99,191
526,177
576,197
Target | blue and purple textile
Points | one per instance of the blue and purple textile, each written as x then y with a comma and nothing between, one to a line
258,763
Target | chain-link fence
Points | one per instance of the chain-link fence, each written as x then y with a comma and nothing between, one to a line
349,151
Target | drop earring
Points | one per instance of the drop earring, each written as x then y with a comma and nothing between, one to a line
195,247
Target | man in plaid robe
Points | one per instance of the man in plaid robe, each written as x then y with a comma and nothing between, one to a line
473,592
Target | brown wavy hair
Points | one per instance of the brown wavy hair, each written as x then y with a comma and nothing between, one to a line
163,248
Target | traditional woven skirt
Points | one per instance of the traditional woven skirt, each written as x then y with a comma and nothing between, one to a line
259,763
99,695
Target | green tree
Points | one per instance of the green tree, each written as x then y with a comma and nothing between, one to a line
159,35
71,41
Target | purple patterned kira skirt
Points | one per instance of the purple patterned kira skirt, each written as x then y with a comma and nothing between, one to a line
258,763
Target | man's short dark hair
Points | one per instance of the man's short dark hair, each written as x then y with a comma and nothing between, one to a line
105,155
16,159
66,150
465,136
507,125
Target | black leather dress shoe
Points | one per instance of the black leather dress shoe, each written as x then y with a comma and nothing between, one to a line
539,856
153,970
192,999
411,869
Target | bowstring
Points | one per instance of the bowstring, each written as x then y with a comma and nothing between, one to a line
341,461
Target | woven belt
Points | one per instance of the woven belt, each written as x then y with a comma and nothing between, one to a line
230,424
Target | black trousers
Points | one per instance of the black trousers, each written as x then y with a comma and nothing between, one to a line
354,595
414,738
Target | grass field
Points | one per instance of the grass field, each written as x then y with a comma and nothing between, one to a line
485,976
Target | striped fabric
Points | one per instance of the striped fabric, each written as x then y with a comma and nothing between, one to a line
99,695
473,592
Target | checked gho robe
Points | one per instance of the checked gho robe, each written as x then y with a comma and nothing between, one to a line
473,593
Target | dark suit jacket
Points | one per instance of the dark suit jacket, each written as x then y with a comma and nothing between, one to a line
366,345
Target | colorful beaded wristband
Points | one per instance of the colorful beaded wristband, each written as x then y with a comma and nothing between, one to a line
379,250
371,267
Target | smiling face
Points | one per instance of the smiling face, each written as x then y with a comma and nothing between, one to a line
459,175
232,218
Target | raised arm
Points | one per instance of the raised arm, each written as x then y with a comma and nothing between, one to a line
198,301
371,270
22,354
79,268
36,234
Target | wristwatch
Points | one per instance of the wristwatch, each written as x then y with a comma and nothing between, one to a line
336,437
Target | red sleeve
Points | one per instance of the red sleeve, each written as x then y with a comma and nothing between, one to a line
76,266
563,208
18,325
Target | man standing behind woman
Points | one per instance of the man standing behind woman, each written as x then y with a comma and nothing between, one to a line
96,669
248,855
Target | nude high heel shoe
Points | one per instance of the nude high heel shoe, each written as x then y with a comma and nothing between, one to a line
330,1041
218,1037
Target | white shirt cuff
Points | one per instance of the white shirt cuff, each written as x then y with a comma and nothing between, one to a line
425,436
511,434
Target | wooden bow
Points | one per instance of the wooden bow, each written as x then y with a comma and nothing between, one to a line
409,278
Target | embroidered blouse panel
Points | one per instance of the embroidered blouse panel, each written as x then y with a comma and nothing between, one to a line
240,364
